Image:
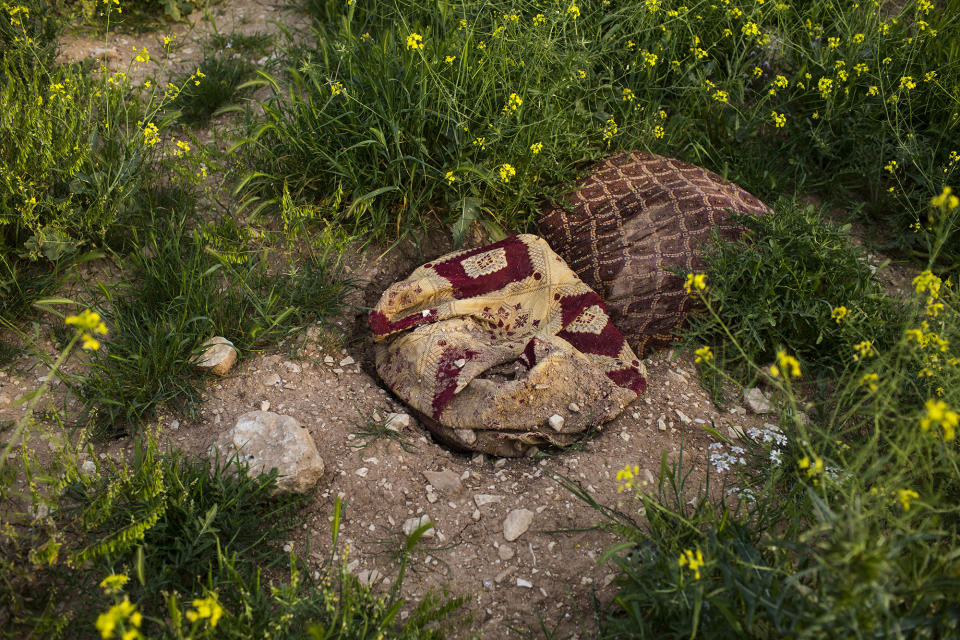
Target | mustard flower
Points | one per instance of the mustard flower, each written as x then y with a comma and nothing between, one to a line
857,38
538,19
786,366
450,177
514,102
151,134
449,59
536,148
119,615
750,29
905,496
869,380
833,43
839,313
873,91
625,477
627,95
704,354
863,350
721,96
480,142
940,415
336,88
415,42
930,76
114,583
927,282
825,85
945,200
573,11
581,73
206,608
659,132
779,119
891,166
695,282
609,130
506,172
906,82
692,560
813,467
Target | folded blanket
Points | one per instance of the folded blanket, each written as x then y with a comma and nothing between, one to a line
502,348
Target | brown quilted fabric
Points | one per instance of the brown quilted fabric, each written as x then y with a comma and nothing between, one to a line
633,221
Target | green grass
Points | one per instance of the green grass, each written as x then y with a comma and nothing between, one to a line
181,288
214,87
364,128
778,288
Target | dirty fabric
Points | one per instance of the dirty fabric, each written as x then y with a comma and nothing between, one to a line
634,226
502,348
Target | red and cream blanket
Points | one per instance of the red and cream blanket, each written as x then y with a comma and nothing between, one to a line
502,348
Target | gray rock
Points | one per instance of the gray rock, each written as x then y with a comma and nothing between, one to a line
662,423
218,356
467,436
369,577
446,481
266,441
573,407
735,432
271,380
347,361
684,418
556,422
505,552
524,583
328,360
516,523
757,401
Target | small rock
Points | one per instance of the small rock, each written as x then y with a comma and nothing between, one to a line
735,432
662,423
757,401
524,583
460,363
431,497
338,371
362,472
476,514
218,355
265,405
328,360
368,577
516,523
266,441
556,422
478,459
467,436
4,401
271,380
573,407
175,425
505,552
446,481
684,418
483,499
347,361
412,524
396,421
89,467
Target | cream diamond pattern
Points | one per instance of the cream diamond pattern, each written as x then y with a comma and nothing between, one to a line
485,263
591,320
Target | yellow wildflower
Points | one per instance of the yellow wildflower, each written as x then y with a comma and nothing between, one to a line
905,496
863,350
506,172
536,148
206,608
787,366
704,354
450,177
118,616
692,560
114,583
625,477
415,42
940,415
839,313
695,281
869,380
779,119
945,200
573,11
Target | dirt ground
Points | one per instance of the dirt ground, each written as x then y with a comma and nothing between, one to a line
551,571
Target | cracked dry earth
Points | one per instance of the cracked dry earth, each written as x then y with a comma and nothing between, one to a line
549,572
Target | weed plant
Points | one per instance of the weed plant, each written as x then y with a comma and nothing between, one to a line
846,526
244,44
778,287
211,87
183,287
404,112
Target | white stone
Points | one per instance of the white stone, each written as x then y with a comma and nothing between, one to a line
362,472
412,524
265,441
524,583
271,380
757,402
396,421
347,361
684,418
556,422
368,577
218,356
467,436
89,467
483,499
446,481
328,360
516,523
573,407
662,423
505,552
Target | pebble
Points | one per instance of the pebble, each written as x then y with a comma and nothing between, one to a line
368,577
265,405
684,418
524,583
412,524
347,361
396,421
483,499
662,423
556,422
573,407
328,360
362,472
505,552
270,380
757,401
516,523
446,481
